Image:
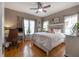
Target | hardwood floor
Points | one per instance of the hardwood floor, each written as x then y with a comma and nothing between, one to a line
26,50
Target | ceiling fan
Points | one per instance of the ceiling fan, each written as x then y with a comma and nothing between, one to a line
40,7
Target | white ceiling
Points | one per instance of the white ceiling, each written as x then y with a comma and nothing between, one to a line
25,7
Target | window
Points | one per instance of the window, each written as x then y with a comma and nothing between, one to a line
69,23
26,26
29,26
32,26
45,26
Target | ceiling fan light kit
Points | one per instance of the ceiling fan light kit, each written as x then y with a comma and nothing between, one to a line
40,9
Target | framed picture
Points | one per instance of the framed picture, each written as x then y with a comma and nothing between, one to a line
51,21
56,20
39,23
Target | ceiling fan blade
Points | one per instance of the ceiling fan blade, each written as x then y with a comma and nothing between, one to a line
37,11
47,6
44,11
33,8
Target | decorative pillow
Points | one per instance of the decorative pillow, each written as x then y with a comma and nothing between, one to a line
50,30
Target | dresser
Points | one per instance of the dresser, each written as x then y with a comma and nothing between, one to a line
72,46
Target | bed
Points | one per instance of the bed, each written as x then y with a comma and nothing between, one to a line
47,41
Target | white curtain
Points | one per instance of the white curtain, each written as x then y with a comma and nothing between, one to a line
45,26
26,26
69,23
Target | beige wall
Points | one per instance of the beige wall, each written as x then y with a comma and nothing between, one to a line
10,20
